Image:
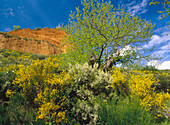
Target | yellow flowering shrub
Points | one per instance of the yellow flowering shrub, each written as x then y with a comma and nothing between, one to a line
10,93
42,85
119,77
51,100
31,78
141,85
119,80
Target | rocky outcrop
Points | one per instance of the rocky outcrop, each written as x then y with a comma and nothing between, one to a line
45,41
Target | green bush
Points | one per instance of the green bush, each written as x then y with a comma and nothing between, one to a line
9,61
1,56
25,38
149,68
15,54
6,79
38,41
18,37
5,52
8,35
20,112
16,27
37,56
38,28
164,83
123,112
86,84
4,117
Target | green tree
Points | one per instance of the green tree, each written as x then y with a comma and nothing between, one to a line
16,27
166,6
100,33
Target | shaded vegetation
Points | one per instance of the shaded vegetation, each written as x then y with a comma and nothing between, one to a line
40,90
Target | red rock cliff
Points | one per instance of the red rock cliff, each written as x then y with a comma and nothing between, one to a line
45,41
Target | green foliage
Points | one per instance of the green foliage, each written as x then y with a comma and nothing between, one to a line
102,32
37,56
1,32
15,54
38,28
18,37
123,112
78,95
4,117
20,112
16,27
38,41
25,38
9,57
6,78
149,68
86,83
164,84
5,53
7,35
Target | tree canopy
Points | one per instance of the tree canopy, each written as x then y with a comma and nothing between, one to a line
100,33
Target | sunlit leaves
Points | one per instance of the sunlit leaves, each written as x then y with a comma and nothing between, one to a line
100,25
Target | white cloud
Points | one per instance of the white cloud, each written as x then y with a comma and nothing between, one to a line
166,47
161,66
144,11
160,53
161,43
11,13
138,8
156,40
7,29
153,63
164,65
8,12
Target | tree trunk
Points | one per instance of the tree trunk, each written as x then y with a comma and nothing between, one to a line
93,60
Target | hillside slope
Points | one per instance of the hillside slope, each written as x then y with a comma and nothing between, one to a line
45,41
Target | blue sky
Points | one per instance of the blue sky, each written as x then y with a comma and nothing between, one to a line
50,13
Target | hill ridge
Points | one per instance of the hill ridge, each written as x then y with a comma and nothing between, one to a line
44,41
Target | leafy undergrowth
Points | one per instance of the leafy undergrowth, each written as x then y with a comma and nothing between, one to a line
34,90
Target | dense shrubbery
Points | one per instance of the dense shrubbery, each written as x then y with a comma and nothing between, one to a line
38,92
86,84
124,112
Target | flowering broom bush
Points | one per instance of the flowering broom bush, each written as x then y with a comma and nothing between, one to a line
42,86
54,95
141,84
